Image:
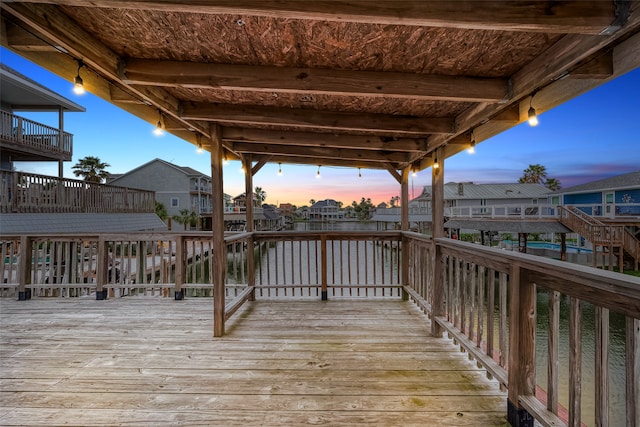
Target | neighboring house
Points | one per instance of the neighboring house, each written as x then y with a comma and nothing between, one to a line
176,187
325,210
616,197
466,194
22,139
32,203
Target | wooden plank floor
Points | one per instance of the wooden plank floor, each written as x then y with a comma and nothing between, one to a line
153,361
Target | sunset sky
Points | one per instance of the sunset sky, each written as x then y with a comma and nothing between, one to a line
591,137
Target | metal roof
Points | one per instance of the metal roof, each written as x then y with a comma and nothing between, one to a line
471,191
626,181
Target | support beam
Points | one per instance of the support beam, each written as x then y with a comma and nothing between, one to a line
437,225
404,199
302,119
321,152
217,226
594,17
324,140
316,81
247,163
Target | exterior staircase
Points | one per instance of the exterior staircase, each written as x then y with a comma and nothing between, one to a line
608,237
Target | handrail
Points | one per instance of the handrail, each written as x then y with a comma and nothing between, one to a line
481,287
28,133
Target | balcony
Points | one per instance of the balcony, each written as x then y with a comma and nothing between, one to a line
292,302
27,140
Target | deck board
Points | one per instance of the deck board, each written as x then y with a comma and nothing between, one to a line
154,361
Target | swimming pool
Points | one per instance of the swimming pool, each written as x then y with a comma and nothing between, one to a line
552,246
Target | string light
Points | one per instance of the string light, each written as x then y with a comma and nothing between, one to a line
318,174
533,117
436,165
225,161
199,150
359,173
472,145
279,169
158,131
78,84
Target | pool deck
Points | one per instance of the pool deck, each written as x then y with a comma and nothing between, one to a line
153,361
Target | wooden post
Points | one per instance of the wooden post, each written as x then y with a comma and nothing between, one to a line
563,246
180,268
102,269
633,371
248,191
323,260
219,266
250,222
26,263
437,278
404,226
522,334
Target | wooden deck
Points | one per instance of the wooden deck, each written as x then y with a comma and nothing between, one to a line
153,361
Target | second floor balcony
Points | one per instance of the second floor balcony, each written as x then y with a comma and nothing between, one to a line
27,140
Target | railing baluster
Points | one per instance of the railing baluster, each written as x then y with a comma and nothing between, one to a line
575,362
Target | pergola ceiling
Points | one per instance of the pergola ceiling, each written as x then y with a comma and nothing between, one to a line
372,84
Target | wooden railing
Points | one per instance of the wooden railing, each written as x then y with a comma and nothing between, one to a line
26,192
35,137
488,300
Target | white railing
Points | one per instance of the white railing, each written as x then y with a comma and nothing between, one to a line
542,211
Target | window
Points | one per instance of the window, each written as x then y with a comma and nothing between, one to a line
175,202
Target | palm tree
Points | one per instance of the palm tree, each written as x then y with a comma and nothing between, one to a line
186,217
161,211
534,174
261,195
312,202
552,184
91,169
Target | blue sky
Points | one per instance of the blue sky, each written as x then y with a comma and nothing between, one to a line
588,138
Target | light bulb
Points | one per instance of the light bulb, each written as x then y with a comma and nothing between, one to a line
533,118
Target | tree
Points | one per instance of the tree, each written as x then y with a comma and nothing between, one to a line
161,211
553,184
186,217
91,169
394,200
362,209
537,174
312,202
261,195
534,174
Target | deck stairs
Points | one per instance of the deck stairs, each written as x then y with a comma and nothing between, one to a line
609,237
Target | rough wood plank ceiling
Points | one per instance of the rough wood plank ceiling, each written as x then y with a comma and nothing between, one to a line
378,84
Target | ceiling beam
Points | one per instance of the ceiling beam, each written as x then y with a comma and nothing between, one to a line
326,140
320,152
384,124
343,163
307,81
584,17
